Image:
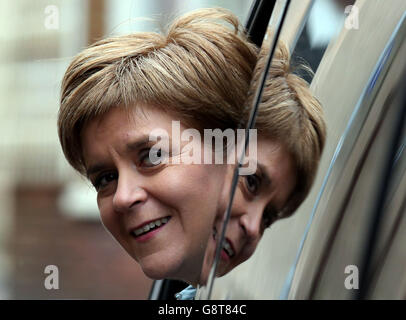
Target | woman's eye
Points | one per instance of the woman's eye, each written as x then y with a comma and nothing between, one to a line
150,157
103,180
252,182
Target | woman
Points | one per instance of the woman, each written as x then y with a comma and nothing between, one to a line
118,91
291,138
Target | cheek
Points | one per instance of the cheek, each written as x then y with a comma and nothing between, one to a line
248,251
192,184
239,202
195,193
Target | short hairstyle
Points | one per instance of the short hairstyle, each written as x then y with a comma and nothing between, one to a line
200,70
289,113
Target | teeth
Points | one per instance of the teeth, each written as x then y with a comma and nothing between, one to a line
228,249
226,244
150,226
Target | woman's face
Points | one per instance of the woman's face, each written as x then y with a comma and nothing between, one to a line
258,199
161,214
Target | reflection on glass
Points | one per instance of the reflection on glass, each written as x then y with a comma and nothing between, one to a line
291,134
343,214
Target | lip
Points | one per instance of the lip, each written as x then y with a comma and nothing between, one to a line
223,255
232,248
147,236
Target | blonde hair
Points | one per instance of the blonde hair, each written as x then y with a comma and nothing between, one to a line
290,114
200,70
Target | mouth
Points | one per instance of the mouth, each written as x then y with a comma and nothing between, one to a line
227,246
149,227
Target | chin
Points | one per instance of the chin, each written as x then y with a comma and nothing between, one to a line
160,268
155,274
221,273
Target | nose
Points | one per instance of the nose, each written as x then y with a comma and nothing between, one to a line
251,222
128,194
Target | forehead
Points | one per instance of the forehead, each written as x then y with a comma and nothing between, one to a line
274,156
120,126
119,119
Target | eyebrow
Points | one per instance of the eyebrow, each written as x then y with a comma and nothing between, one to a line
130,147
95,168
